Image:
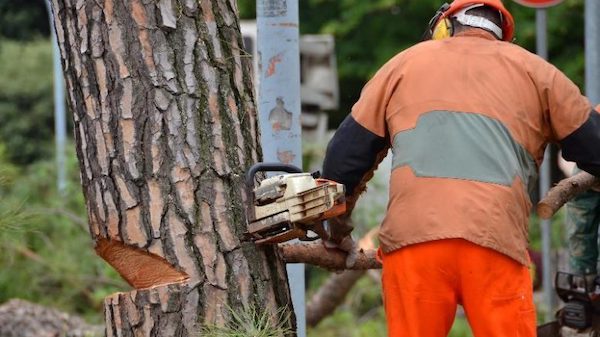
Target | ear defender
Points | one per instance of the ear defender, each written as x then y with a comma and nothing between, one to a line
439,29
442,30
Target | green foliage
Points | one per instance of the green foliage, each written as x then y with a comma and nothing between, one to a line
368,33
461,328
26,108
557,231
47,256
23,20
251,321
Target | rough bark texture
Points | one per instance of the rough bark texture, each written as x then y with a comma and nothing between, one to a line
165,127
20,318
564,191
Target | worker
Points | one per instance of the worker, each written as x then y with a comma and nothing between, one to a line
467,115
583,221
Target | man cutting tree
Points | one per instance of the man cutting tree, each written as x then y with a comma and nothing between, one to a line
467,115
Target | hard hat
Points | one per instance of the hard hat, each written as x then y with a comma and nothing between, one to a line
447,11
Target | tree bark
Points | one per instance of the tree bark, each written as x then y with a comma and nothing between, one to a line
331,259
564,191
165,126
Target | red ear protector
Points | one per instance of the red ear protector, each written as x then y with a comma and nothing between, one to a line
432,25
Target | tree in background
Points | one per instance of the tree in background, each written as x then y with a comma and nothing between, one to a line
23,20
165,127
26,115
368,33
26,102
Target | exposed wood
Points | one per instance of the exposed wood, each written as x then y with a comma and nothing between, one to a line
138,267
165,127
333,292
564,191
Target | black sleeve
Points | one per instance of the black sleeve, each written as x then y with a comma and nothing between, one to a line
352,154
583,145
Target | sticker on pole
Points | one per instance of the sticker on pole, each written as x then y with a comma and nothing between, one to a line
538,3
271,8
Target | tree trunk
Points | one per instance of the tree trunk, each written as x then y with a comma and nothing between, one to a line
165,126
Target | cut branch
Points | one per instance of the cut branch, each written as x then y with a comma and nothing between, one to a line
564,191
332,259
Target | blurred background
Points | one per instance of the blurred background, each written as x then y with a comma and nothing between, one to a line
45,251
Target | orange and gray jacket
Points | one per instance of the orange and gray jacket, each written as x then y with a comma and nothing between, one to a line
467,119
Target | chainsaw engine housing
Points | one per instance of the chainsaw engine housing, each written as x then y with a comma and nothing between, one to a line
286,206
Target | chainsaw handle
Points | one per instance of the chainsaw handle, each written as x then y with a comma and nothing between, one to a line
268,167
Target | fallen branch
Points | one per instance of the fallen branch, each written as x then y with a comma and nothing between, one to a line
332,259
332,293
564,191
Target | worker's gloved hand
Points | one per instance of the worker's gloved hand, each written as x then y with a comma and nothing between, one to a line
338,237
338,228
347,245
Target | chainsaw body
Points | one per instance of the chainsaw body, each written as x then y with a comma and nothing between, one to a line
582,300
289,206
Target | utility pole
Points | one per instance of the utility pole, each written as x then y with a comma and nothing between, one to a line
545,174
279,106
547,266
60,120
592,51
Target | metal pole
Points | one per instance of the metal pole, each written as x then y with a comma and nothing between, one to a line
60,120
279,106
542,51
592,51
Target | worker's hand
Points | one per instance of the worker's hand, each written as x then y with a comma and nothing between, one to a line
338,231
338,228
348,245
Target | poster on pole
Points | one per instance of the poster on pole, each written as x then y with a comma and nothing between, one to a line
538,3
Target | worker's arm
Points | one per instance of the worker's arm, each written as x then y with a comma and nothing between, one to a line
574,123
361,141
582,146
352,156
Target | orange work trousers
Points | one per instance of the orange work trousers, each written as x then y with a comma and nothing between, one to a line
423,283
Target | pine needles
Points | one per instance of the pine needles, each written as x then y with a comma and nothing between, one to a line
251,322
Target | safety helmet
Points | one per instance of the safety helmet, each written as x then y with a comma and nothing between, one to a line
440,25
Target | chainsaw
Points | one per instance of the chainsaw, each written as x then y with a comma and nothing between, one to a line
581,311
289,206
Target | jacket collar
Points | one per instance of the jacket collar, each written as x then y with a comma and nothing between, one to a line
476,33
